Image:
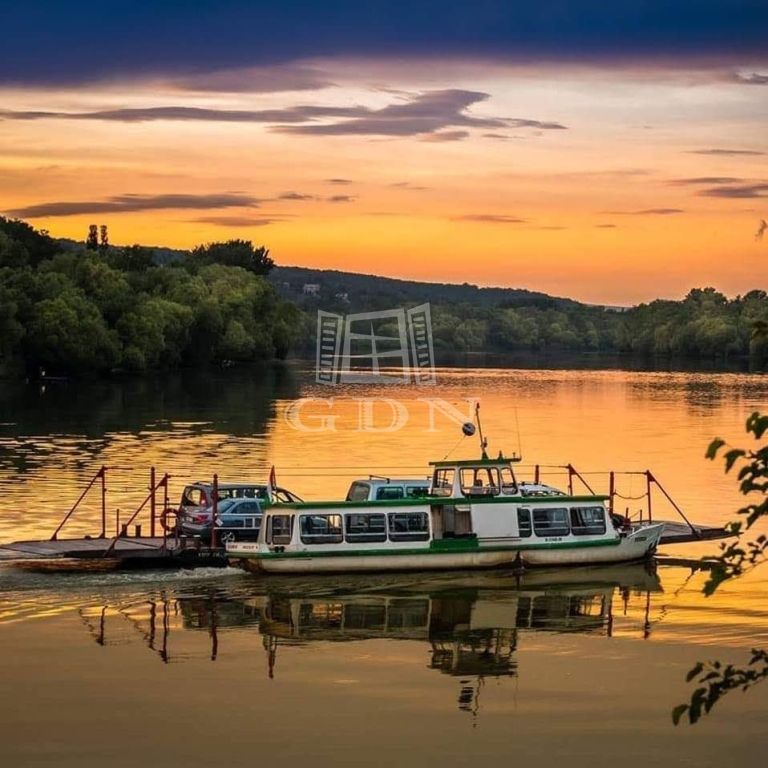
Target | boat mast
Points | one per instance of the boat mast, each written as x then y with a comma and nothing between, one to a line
483,441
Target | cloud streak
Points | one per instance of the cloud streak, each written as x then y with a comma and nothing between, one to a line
433,115
489,218
736,192
717,152
239,221
130,203
646,212
427,113
706,180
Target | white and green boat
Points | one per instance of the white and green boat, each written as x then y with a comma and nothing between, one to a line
475,516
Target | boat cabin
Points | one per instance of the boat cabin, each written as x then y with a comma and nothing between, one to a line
468,500
481,478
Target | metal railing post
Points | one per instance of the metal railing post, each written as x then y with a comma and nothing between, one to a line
99,474
214,510
152,502
611,491
103,502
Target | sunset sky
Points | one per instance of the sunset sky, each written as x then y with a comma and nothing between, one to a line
610,152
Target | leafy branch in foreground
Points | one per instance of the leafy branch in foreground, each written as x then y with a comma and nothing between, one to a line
737,558
715,680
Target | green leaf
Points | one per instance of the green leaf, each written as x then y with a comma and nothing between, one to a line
714,447
678,712
731,456
694,672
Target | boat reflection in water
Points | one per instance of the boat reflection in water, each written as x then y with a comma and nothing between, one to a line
472,622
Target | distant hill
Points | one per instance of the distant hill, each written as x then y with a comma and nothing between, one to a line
329,286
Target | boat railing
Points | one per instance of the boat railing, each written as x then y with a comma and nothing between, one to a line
157,510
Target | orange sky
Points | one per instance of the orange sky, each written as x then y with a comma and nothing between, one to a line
611,186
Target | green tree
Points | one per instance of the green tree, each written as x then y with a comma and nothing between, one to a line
234,253
92,241
714,679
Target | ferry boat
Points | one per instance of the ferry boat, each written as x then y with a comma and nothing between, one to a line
475,516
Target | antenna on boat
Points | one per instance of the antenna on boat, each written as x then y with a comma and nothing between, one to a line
483,441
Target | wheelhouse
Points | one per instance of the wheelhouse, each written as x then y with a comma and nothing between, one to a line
482,478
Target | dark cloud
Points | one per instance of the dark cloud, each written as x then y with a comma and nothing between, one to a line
53,43
605,226
724,152
497,136
295,196
129,203
489,218
298,114
736,192
426,114
341,199
707,180
647,212
407,185
423,114
338,181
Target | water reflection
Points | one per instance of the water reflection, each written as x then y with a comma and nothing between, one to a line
472,624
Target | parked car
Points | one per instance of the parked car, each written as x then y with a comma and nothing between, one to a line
236,520
387,488
200,495
196,503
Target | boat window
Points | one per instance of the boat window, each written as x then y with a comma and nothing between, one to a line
524,522
442,482
409,526
280,529
416,491
587,521
480,481
508,483
361,528
551,522
388,492
320,529
358,492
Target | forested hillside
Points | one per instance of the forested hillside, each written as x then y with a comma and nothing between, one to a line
100,309
69,308
465,318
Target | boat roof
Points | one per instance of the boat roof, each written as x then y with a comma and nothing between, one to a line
484,462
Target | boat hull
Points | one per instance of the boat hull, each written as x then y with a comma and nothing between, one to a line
637,545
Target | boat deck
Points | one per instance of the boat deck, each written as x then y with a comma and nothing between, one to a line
141,551
153,552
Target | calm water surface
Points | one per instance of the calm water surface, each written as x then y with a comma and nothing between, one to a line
219,667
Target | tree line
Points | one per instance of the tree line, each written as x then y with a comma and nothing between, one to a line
70,308
99,309
706,325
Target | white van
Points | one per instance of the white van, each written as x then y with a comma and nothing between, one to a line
377,488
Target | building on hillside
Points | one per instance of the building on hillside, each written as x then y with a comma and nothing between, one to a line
312,288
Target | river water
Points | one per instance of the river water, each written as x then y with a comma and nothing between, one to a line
209,667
